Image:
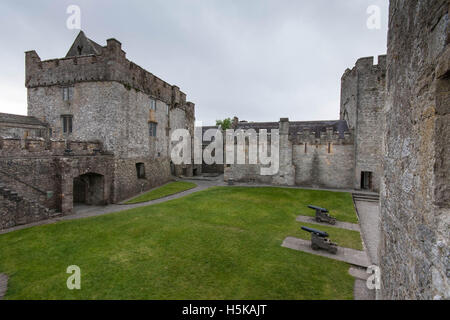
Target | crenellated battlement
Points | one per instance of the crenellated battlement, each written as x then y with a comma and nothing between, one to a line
110,64
366,65
330,136
40,147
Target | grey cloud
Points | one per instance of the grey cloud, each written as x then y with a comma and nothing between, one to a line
257,59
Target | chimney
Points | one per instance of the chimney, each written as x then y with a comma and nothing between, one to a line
235,122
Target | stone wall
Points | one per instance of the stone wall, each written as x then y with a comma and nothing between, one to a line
362,101
415,198
110,65
43,171
306,159
315,166
16,210
22,131
127,183
22,127
105,111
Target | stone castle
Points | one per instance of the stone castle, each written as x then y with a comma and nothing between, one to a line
98,131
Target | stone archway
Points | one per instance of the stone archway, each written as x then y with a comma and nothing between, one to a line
89,189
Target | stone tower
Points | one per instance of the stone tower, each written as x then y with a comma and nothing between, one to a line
362,101
96,93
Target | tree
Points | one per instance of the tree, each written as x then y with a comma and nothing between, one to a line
224,124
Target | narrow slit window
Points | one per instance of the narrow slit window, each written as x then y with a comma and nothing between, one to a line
329,147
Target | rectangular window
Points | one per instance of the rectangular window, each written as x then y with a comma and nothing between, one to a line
67,93
153,104
152,129
329,147
67,123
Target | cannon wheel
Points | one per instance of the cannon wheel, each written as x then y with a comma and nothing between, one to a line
333,250
333,221
314,246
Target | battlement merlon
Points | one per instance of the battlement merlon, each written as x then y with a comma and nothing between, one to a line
333,137
35,147
366,64
110,64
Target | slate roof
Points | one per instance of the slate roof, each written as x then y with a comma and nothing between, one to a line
19,119
86,45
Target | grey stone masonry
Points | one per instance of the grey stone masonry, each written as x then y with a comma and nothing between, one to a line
415,194
108,98
311,154
362,102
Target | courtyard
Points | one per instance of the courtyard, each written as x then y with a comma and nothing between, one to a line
217,243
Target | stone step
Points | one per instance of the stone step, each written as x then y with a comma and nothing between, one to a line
366,199
366,195
28,210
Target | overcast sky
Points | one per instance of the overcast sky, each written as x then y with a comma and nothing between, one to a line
260,60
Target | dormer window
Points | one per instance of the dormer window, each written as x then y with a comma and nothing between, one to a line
67,93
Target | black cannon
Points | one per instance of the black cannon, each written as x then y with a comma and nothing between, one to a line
322,215
319,240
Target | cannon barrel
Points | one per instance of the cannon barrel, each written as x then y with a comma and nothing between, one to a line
317,208
317,232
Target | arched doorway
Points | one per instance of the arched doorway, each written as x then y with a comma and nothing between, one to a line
89,189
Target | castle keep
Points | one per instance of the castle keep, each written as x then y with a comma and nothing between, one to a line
97,132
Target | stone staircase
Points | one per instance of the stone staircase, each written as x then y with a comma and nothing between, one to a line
366,196
17,210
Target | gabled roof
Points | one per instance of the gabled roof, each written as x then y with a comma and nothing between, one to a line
83,46
19,119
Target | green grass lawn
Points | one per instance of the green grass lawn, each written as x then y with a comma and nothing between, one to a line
164,191
221,243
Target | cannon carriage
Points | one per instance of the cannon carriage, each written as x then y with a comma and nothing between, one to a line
319,240
322,215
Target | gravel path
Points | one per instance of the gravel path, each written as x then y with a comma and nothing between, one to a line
84,211
3,285
351,256
369,219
